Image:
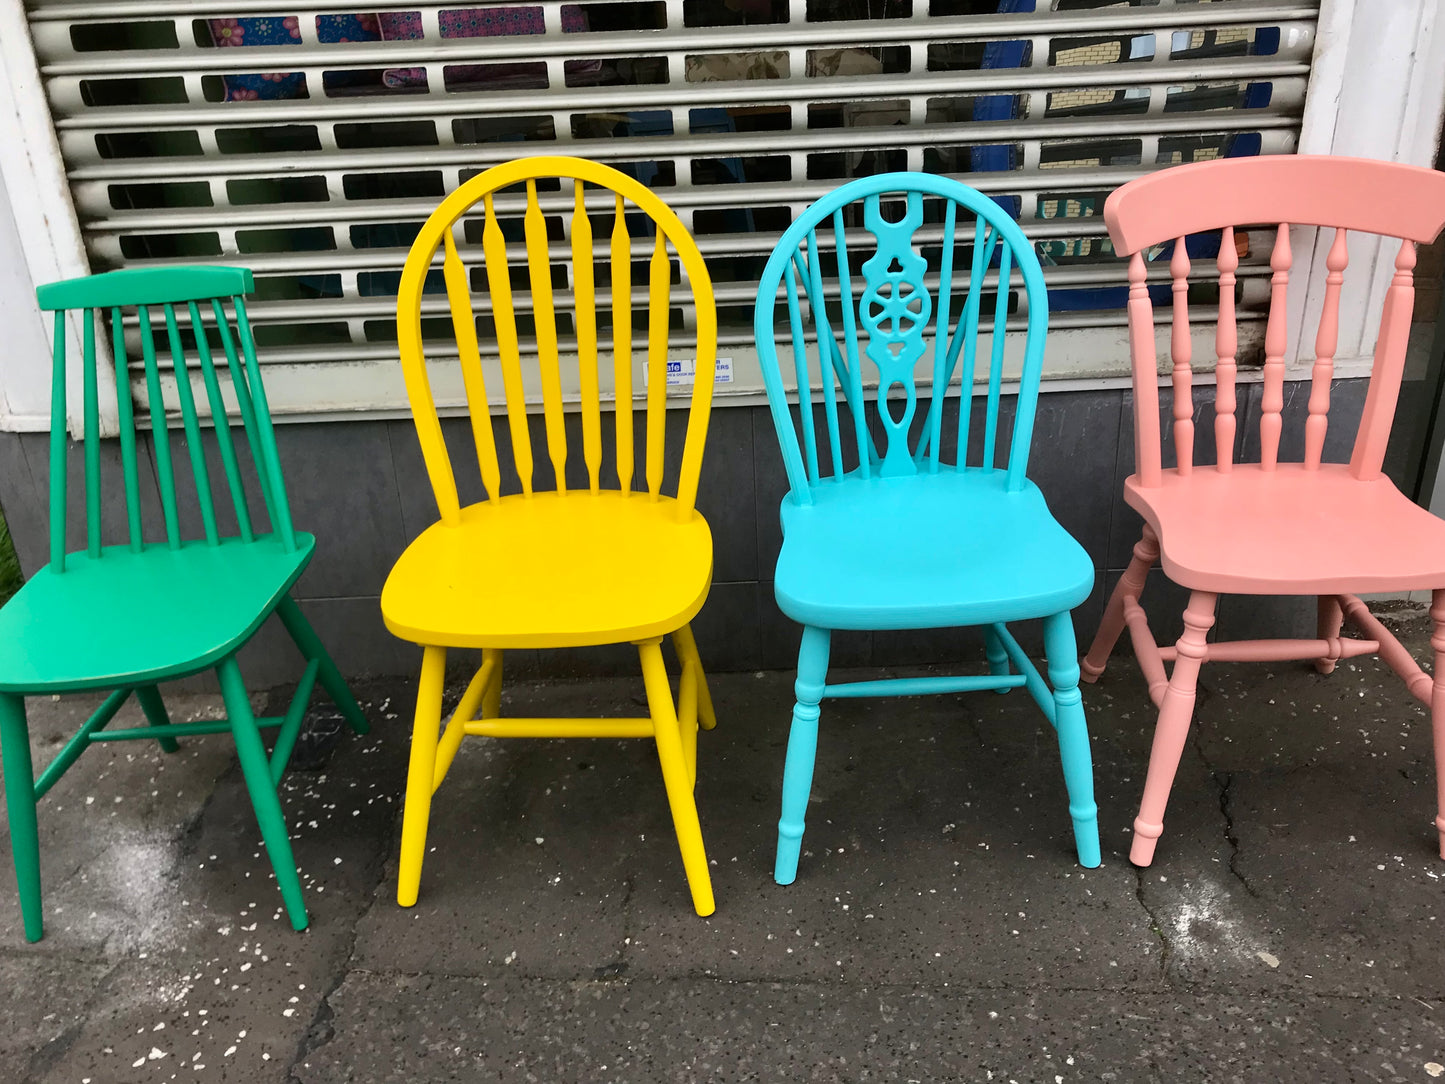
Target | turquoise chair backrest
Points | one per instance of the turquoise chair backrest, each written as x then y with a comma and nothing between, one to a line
206,301
880,309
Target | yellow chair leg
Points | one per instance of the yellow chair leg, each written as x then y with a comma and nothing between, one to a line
675,775
421,773
686,648
492,700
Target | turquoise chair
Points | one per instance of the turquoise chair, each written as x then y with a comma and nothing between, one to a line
906,539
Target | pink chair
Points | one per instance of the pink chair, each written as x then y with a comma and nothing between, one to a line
1270,528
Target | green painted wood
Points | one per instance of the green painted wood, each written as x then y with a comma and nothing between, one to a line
223,426
57,447
155,710
183,730
92,438
257,770
19,774
147,616
291,724
126,617
77,744
192,425
145,286
128,465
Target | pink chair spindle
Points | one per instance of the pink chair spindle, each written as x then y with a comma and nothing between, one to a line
1226,345
1146,373
1325,342
1385,374
1276,333
1181,350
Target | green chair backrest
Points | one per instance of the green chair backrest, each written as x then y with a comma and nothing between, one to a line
202,294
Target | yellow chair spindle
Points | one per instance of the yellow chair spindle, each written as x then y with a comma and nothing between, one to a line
659,293
464,326
544,315
494,250
622,343
584,295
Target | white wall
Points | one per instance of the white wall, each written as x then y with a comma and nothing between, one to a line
24,342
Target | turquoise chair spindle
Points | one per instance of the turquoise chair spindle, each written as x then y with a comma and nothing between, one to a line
125,617
906,539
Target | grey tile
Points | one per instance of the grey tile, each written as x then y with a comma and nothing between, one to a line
727,494
1347,403
223,499
343,489
1074,459
727,630
25,497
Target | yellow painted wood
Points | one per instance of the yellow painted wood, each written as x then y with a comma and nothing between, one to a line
544,315
552,570
451,738
420,774
676,776
686,648
622,340
464,326
556,568
659,289
561,728
585,308
492,700
499,281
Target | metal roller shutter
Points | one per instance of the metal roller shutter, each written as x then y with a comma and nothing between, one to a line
310,142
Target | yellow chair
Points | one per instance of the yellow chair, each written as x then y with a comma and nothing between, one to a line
570,567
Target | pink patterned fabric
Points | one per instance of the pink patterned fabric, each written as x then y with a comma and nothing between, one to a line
493,22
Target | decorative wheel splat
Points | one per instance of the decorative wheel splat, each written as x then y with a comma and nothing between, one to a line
895,310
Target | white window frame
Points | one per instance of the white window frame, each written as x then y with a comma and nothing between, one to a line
1377,90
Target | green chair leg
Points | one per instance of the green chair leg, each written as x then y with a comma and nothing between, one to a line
20,805
155,709
311,647
256,767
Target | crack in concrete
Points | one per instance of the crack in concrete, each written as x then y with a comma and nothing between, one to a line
1225,782
1155,926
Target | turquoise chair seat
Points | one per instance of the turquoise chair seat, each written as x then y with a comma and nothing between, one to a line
961,550
198,604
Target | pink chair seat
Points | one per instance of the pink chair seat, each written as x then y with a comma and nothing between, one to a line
1290,531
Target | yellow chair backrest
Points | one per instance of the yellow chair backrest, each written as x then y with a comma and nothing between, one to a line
625,191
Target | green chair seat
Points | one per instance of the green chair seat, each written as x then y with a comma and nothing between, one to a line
196,605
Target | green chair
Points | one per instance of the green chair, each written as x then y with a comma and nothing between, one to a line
125,617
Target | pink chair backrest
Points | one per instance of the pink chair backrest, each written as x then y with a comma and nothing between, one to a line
1346,194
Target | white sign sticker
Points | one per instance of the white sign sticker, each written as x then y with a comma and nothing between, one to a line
682,371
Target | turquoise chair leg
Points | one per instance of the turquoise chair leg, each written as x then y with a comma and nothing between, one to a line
1063,660
802,748
156,714
329,676
256,767
997,655
20,806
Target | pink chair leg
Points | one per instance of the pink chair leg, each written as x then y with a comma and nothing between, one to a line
1172,730
1146,552
1437,708
1332,619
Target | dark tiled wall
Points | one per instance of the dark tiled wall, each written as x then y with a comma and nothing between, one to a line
362,489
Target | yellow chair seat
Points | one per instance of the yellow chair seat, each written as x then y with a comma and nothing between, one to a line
552,570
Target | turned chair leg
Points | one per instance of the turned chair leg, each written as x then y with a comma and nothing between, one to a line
802,750
1331,620
1131,584
1172,729
1437,708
